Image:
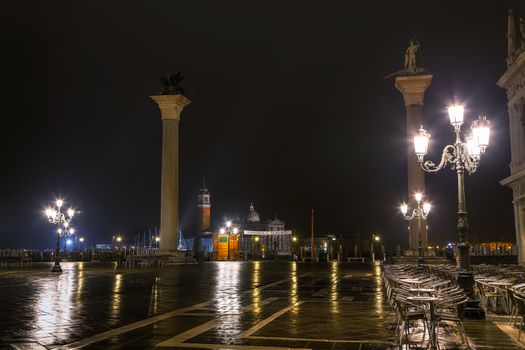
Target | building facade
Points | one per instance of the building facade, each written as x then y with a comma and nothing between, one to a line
265,240
513,81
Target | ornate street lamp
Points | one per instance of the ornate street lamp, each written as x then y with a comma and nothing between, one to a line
419,213
463,156
375,239
56,217
229,230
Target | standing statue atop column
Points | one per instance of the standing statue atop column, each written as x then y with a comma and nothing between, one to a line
410,56
410,62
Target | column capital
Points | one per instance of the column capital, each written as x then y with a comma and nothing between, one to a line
413,87
171,105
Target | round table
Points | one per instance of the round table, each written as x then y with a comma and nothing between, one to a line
431,301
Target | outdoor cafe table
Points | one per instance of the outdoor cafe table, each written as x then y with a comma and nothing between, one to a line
503,286
431,301
420,291
414,281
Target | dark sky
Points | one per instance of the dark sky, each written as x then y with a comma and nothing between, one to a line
291,111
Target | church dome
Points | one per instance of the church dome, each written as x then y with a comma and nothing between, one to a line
253,216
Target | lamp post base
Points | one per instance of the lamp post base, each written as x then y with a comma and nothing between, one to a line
420,262
56,268
473,310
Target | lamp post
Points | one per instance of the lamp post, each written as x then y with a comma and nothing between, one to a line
229,230
375,239
61,220
419,213
463,155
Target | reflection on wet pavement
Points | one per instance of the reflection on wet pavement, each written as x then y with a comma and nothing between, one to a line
229,305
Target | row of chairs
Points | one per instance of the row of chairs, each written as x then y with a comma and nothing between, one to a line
399,283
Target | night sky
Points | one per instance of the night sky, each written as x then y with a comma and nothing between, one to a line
290,111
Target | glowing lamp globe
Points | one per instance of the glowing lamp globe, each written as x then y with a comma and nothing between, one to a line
426,207
455,114
404,208
421,144
473,148
481,132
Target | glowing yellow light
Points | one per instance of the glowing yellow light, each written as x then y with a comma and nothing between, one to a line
59,202
418,196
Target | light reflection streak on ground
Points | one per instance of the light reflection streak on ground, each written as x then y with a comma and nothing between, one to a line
54,304
115,306
80,286
227,299
256,294
334,275
294,298
379,299
153,303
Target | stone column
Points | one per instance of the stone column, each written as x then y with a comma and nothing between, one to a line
170,108
517,135
413,88
519,219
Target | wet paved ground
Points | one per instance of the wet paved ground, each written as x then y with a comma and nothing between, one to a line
223,305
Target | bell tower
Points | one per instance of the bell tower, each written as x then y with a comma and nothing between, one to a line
204,206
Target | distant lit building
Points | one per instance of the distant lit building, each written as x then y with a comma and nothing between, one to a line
202,244
267,239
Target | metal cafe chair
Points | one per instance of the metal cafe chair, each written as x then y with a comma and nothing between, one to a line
409,313
453,310
520,303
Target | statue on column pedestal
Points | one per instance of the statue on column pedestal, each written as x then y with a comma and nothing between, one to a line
172,84
410,56
410,62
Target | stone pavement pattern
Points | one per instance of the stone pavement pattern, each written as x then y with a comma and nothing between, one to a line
223,305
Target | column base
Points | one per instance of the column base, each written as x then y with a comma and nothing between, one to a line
473,310
56,268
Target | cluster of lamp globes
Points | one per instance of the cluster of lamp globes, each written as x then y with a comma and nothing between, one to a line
419,197
477,139
55,216
234,230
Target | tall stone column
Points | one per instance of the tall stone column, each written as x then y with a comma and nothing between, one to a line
171,106
519,215
413,88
